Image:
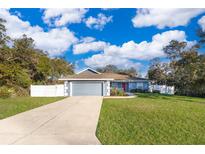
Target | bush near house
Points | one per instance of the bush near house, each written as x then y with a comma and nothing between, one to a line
117,92
156,91
139,91
5,92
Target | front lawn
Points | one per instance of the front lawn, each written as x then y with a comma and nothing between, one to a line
152,119
12,106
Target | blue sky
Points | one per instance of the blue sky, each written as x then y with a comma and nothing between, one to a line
96,37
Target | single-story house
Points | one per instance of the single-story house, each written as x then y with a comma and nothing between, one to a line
90,82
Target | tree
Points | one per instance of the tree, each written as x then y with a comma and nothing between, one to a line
132,72
28,57
114,69
174,49
14,75
190,73
3,36
158,71
186,68
60,68
23,64
43,69
108,69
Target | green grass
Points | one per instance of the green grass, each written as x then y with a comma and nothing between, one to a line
12,106
152,119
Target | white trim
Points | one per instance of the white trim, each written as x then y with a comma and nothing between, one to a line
86,79
132,80
108,88
66,88
88,69
71,88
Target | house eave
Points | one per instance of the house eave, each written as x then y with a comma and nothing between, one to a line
102,79
131,80
86,79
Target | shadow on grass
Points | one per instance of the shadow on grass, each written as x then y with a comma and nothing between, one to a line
150,95
168,97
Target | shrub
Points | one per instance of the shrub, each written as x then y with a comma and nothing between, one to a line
5,92
117,92
120,93
113,92
19,91
139,91
156,91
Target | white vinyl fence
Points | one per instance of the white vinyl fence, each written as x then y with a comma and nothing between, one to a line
163,89
47,90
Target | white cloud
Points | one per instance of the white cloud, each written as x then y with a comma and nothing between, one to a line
99,22
17,13
55,41
162,18
124,54
201,23
101,60
108,9
146,50
87,39
105,9
61,17
89,46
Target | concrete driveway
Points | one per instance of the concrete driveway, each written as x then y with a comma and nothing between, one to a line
70,121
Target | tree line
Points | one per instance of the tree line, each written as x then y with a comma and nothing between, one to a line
184,67
22,64
132,72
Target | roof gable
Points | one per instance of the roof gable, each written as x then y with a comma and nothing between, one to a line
88,71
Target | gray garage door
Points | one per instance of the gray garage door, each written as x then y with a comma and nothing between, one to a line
87,88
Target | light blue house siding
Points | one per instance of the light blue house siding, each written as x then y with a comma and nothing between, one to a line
130,85
143,85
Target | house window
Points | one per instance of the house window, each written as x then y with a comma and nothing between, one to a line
139,85
146,85
114,85
132,85
117,85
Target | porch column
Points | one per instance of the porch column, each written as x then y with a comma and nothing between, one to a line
66,88
108,88
71,89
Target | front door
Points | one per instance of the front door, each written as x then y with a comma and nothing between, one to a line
124,86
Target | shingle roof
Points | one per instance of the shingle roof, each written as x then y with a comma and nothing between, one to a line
114,76
90,74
